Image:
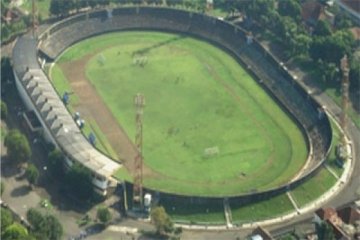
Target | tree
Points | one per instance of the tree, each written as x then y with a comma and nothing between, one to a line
55,7
44,227
61,8
15,232
103,214
2,185
354,74
79,181
322,28
329,70
4,110
32,174
56,163
324,231
300,44
332,48
36,219
161,220
290,8
6,69
54,229
6,218
260,10
342,21
18,148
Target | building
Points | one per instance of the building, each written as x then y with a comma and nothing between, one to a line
57,125
345,222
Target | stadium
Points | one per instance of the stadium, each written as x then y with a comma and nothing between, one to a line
280,105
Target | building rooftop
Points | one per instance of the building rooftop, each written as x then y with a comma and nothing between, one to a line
54,113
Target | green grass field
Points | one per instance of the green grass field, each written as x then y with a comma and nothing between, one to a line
313,188
197,97
261,210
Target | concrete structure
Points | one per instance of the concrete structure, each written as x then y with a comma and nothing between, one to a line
59,128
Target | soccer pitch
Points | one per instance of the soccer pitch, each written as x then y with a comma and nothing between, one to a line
198,100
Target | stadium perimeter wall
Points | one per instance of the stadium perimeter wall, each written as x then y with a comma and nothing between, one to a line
227,36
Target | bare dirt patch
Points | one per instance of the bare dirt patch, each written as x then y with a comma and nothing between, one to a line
91,106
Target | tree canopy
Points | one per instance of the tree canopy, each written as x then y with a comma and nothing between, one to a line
44,226
103,214
56,162
332,48
290,8
161,220
6,218
79,182
2,187
322,28
18,148
14,232
32,173
354,75
4,110
324,231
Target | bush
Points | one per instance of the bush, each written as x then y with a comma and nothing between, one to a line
4,110
161,220
32,174
104,215
6,218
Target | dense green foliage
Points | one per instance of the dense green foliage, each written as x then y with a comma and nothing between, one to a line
161,220
44,226
324,231
290,8
14,232
354,74
56,163
2,187
32,174
79,182
18,148
332,48
6,70
322,28
103,214
6,218
4,110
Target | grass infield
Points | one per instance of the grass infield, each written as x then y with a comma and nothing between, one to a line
197,98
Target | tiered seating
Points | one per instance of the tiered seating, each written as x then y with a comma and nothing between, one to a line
266,68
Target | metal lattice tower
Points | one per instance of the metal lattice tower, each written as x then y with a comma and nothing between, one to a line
139,102
34,17
344,64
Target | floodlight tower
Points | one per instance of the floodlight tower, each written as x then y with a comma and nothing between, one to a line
139,102
344,65
34,17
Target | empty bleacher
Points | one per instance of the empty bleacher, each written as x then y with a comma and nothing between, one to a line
270,73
